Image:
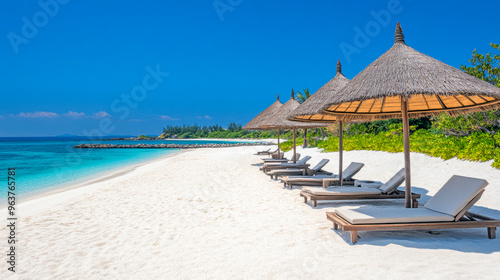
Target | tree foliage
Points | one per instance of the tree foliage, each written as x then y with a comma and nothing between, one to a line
487,68
475,147
233,130
302,97
233,127
385,125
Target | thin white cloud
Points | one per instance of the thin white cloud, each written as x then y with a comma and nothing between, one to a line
207,117
100,115
168,118
37,114
75,115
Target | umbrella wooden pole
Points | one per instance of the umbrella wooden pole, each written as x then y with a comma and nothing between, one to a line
341,150
406,136
279,151
304,144
294,148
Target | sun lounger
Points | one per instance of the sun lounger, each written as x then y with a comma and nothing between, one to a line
303,170
348,173
277,155
386,191
273,154
279,160
266,152
447,209
284,165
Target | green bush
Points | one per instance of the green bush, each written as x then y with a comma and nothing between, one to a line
475,147
288,145
187,135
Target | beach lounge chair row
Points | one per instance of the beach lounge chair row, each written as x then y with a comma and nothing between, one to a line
294,158
284,165
301,170
448,209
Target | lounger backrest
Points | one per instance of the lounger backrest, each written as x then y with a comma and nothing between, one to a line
320,165
297,156
304,160
351,170
393,183
456,194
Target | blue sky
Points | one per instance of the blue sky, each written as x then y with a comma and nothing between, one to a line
131,67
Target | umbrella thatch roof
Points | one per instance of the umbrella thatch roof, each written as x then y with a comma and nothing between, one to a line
255,123
428,85
279,119
312,108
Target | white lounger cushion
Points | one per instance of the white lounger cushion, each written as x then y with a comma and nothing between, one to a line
285,171
367,183
318,177
268,162
375,185
392,215
341,191
284,164
455,194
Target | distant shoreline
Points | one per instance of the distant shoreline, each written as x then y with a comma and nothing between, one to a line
169,146
179,139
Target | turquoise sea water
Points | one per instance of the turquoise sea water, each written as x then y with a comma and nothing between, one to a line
43,164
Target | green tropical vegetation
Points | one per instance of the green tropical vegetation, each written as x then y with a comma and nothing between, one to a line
475,147
233,130
473,137
302,97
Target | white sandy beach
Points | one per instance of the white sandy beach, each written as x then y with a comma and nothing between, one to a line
211,214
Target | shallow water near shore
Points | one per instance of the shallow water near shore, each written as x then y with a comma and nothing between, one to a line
44,164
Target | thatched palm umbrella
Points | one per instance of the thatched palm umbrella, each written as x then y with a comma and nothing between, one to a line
312,109
405,83
256,123
279,120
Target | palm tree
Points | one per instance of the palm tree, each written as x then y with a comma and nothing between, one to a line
302,97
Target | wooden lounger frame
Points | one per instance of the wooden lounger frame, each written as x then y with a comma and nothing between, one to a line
276,160
300,168
304,170
290,166
315,182
281,160
395,195
464,219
